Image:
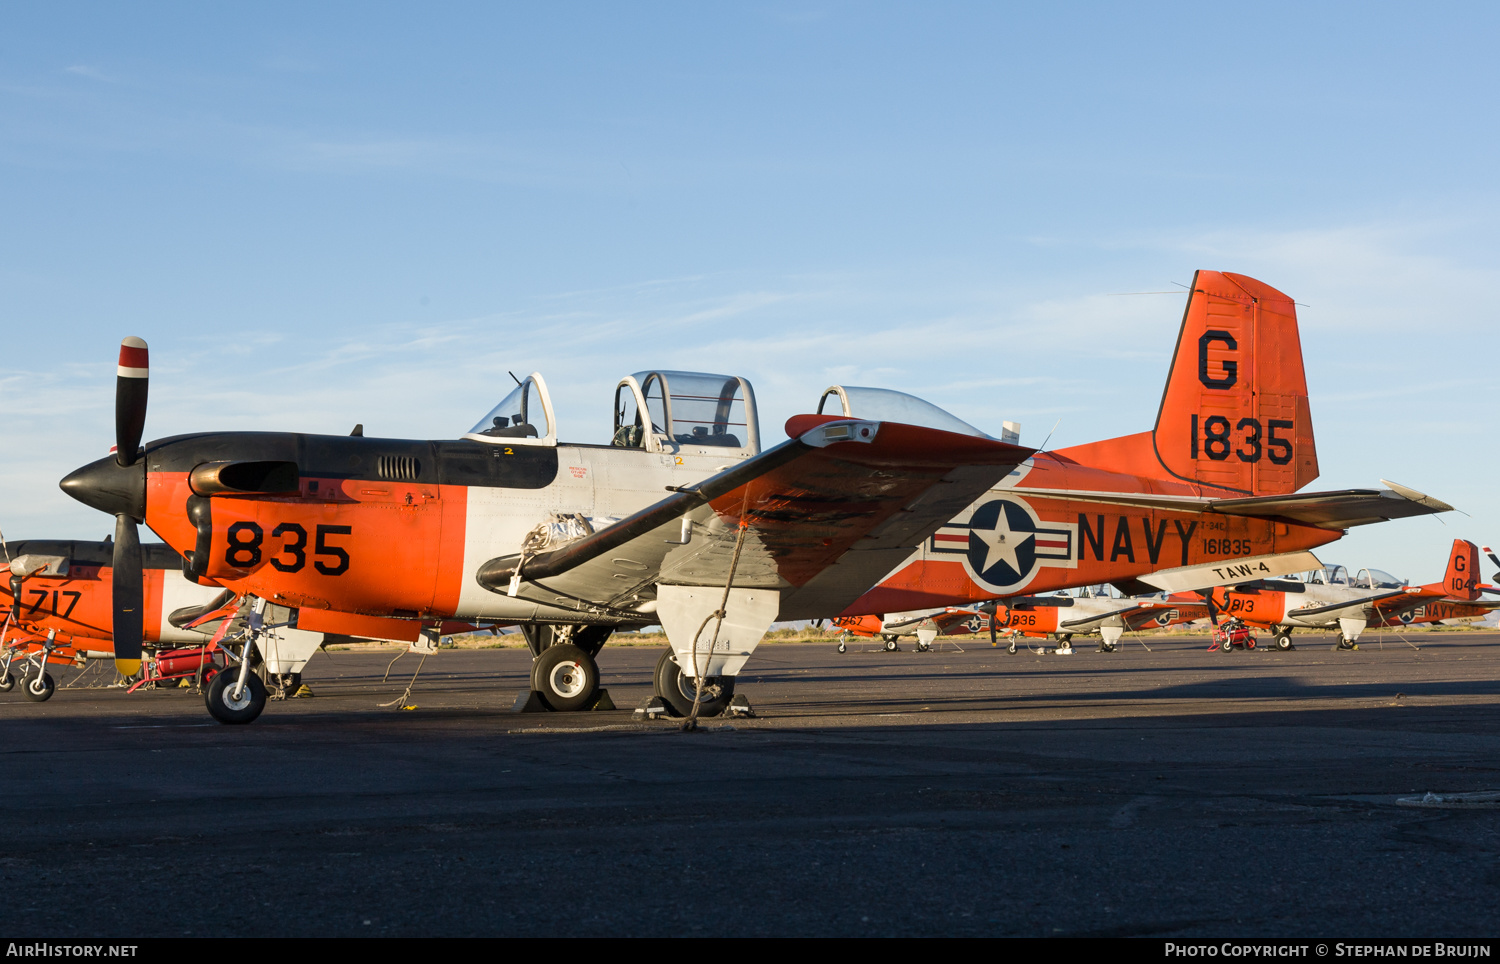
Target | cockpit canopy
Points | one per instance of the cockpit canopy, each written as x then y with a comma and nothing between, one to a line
524,417
887,405
1328,576
670,411
1376,579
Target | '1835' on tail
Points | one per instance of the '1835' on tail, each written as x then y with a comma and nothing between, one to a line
1235,413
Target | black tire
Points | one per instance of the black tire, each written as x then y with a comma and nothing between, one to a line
890,644
566,677
676,690
39,689
1011,649
1283,642
226,710
842,647
7,683
1226,647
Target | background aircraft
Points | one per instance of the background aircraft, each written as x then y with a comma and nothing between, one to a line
1064,616
926,627
60,596
1327,600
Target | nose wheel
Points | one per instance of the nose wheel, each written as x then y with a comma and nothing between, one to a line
39,688
228,706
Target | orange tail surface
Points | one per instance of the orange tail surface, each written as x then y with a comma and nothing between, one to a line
1234,416
1461,580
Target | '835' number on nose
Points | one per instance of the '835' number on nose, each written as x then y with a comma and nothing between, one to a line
1215,439
245,539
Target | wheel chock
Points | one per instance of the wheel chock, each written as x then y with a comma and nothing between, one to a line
739,707
530,702
653,709
603,702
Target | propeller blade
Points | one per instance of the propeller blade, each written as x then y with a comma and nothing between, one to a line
15,595
993,636
129,596
1493,558
130,399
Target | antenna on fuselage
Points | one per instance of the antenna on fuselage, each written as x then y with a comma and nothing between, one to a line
513,377
1043,446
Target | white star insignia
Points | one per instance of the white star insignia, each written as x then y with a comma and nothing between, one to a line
1002,544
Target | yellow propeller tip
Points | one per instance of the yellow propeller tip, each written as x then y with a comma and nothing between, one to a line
127,667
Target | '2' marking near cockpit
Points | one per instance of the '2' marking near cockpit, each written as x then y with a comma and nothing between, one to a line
244,553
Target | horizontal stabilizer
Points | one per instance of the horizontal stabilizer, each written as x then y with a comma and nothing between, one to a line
1337,510
1327,510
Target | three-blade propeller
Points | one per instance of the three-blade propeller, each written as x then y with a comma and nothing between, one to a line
130,421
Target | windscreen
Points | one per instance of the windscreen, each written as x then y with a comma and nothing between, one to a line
886,405
519,415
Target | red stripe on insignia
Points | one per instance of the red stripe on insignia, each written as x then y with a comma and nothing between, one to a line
138,358
1052,543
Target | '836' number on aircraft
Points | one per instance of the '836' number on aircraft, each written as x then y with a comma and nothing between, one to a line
245,538
1260,439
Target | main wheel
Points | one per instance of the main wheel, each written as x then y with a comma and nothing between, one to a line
1226,647
1283,642
566,676
39,688
890,644
7,683
676,689
842,647
222,705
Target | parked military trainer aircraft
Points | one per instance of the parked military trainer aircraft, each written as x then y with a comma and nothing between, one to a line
1283,605
62,594
380,537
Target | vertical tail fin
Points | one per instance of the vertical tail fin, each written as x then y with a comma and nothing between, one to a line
1461,580
1235,413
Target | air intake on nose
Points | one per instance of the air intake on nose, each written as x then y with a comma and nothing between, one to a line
399,468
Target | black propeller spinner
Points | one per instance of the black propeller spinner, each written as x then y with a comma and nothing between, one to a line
118,486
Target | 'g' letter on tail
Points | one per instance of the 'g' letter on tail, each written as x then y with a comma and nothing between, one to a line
1461,581
1235,413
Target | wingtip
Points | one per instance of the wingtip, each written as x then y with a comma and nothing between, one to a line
1421,498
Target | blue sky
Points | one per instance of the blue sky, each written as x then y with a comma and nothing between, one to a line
326,214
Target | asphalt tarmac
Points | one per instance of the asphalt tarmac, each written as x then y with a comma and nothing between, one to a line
1173,793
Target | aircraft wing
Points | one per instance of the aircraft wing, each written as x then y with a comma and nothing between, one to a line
1147,612
1354,603
1136,614
1097,617
1327,510
826,513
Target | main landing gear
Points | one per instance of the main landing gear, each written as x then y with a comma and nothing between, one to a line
1282,640
890,644
677,689
564,672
